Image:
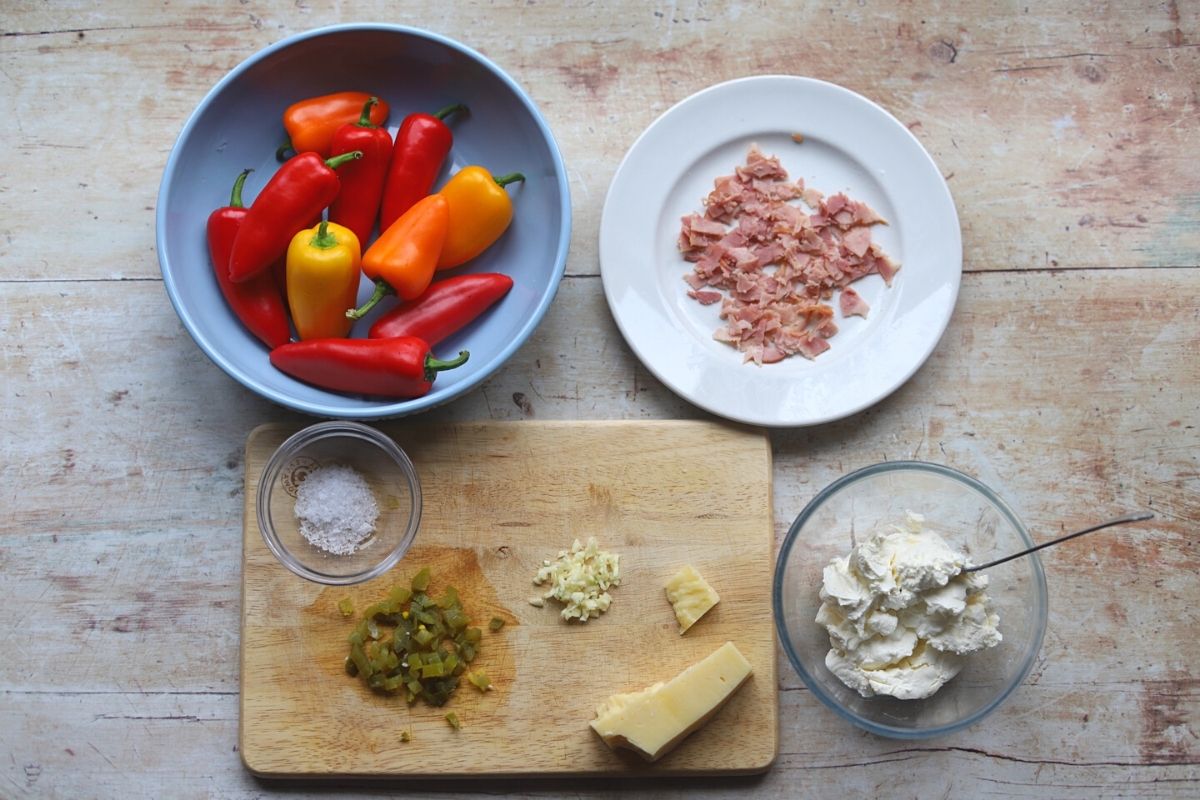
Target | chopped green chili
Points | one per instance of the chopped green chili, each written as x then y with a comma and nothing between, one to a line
410,643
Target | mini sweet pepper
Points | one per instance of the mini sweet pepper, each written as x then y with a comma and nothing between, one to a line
298,191
422,144
258,302
323,266
311,123
401,367
403,259
444,308
357,203
480,212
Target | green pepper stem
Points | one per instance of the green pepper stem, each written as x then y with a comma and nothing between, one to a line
453,108
281,151
433,365
235,197
382,290
337,161
512,177
365,120
324,239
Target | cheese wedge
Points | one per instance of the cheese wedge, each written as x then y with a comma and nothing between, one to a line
654,720
690,596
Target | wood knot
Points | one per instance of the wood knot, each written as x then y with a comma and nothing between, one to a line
943,50
1092,73
522,402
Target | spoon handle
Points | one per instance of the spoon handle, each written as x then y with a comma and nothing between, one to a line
1136,516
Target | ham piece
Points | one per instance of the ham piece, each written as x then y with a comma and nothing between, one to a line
773,265
852,304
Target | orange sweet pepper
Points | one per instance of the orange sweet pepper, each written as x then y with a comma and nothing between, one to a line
403,259
322,279
311,123
480,212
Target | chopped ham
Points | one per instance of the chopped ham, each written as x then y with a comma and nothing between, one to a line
694,223
705,297
851,304
772,266
812,346
812,197
857,240
883,265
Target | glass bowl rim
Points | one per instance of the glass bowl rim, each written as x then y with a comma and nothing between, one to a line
315,433
1033,647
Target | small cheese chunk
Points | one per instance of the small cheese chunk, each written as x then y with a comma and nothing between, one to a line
690,596
654,720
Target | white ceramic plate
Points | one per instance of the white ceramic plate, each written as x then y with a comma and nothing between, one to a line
849,144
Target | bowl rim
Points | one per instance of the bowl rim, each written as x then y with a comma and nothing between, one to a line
316,433
382,409
1039,578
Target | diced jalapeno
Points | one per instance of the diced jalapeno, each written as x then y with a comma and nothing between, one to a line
420,581
479,680
411,644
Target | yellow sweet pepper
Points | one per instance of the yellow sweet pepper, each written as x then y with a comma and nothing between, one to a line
480,211
323,270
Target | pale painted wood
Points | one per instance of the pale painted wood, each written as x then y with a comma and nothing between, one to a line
1059,126
1066,136
143,562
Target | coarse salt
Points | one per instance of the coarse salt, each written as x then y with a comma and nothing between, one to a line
336,509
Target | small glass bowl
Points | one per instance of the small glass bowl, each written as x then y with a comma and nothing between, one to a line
386,469
971,517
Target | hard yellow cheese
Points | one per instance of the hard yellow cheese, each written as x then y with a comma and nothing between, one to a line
690,596
654,720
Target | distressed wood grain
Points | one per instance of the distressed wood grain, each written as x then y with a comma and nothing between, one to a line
1069,378
1111,699
1066,137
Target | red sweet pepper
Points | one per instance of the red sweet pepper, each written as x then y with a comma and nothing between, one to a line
257,302
357,204
445,307
422,144
401,367
298,191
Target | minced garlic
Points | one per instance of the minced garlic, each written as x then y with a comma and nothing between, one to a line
580,579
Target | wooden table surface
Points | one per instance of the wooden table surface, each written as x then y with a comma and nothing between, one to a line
1068,379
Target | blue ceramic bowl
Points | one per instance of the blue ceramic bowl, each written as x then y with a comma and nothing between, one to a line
238,125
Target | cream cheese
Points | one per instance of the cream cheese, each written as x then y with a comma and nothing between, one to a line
902,614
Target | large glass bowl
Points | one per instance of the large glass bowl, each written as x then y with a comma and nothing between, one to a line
971,517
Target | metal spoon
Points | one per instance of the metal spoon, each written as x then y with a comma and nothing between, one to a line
1137,516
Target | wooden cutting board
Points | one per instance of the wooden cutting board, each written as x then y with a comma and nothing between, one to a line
499,498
